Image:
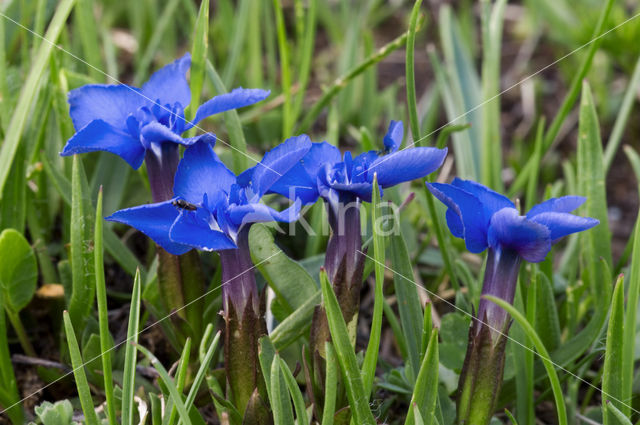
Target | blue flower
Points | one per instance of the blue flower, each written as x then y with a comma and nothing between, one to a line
484,218
211,206
323,172
128,121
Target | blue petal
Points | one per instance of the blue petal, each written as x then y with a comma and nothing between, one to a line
192,229
200,171
208,138
564,204
393,138
278,161
109,103
510,230
361,190
469,211
406,165
563,224
491,201
261,213
169,85
100,136
154,132
155,221
244,178
238,98
360,166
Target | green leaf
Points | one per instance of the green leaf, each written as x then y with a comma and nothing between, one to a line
296,395
83,285
425,392
13,206
202,370
18,270
542,353
547,321
84,392
128,380
621,418
629,336
410,72
280,403
371,355
58,413
454,333
198,58
411,315
30,89
288,279
295,324
330,385
591,182
176,398
103,319
613,372
358,399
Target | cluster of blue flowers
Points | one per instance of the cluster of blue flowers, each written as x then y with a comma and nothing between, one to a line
211,204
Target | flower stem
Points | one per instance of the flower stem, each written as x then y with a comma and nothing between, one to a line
481,377
244,325
14,318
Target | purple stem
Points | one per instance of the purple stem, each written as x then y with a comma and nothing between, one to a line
345,242
238,279
162,164
500,279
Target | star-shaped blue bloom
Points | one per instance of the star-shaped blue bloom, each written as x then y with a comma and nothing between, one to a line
128,121
211,206
323,172
484,218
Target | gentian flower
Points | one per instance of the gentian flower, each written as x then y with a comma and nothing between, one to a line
212,211
344,183
487,219
136,122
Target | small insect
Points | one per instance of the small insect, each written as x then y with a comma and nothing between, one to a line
183,205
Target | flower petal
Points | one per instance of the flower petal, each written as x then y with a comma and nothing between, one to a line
492,201
100,136
191,229
510,230
261,213
563,224
169,84
406,165
155,221
393,138
468,209
237,98
200,171
154,132
564,204
278,161
109,103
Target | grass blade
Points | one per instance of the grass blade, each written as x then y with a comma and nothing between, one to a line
202,371
542,351
285,70
296,395
103,319
425,392
198,58
330,385
280,403
83,286
84,392
168,382
30,89
128,379
613,373
371,355
412,103
358,400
